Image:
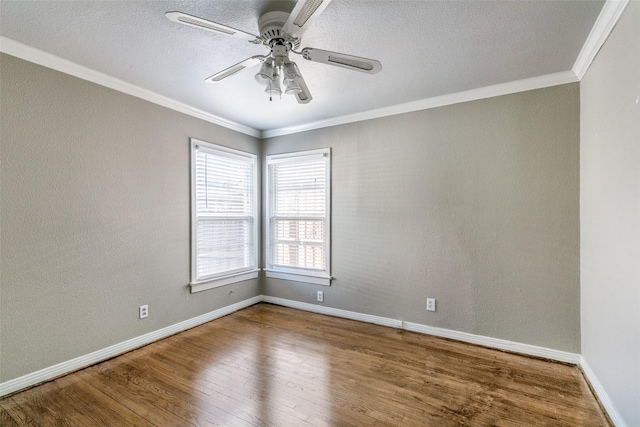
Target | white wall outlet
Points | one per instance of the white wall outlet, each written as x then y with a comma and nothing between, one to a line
431,304
144,311
320,296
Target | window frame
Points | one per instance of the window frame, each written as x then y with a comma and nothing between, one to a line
298,274
233,276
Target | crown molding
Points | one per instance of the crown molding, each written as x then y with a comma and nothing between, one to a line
516,86
608,18
606,21
28,53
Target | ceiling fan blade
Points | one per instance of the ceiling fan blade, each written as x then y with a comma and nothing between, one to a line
304,96
302,15
351,62
194,21
228,72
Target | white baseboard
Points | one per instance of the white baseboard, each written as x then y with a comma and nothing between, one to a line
516,347
106,353
602,395
117,349
321,309
532,350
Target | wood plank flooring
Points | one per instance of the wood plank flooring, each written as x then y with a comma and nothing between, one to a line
273,366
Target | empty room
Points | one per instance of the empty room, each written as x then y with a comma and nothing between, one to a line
320,213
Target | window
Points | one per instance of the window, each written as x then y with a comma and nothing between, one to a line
223,216
298,216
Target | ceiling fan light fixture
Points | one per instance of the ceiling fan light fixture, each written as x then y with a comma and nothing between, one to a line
292,78
274,87
266,74
292,86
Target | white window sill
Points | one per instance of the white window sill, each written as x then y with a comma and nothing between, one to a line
314,279
222,281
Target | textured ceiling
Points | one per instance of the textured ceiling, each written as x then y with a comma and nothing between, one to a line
427,49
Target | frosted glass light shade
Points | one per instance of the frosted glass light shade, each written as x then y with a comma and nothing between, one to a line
291,78
273,86
265,75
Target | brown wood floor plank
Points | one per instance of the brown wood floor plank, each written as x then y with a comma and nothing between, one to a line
5,418
97,410
38,406
274,366
214,395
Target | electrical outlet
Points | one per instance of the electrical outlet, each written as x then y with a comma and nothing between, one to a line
431,304
320,296
144,311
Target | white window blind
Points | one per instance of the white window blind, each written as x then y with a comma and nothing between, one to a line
224,205
298,205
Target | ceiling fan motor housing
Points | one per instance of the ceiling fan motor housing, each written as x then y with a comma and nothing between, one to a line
270,25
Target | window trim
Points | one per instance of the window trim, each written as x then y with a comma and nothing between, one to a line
237,275
310,276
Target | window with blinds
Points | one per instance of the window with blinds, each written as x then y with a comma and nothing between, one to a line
298,186
224,208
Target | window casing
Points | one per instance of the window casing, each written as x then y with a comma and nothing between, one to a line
297,221
224,222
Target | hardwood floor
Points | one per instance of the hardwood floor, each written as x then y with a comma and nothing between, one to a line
274,366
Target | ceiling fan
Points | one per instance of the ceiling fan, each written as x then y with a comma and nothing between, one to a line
281,32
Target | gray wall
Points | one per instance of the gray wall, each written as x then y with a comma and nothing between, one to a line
475,204
94,216
610,215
